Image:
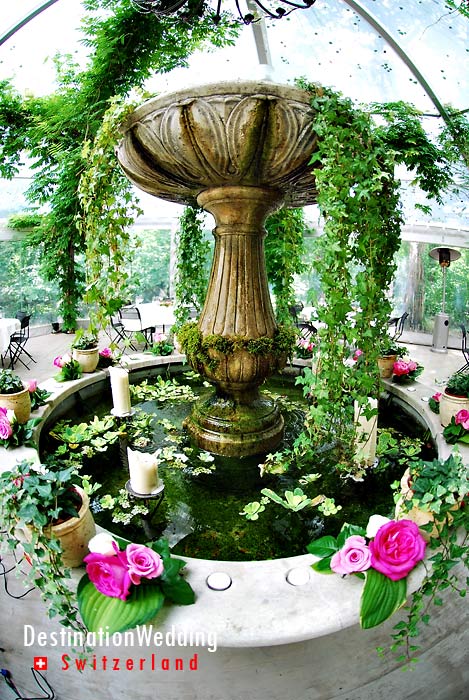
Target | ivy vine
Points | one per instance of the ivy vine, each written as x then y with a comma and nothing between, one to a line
192,250
284,255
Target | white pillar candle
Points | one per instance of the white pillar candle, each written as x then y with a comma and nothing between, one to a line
143,470
120,390
365,434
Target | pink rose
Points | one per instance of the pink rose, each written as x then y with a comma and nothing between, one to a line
462,418
437,396
6,430
106,352
354,556
400,367
143,562
58,362
411,365
109,574
397,547
32,385
357,354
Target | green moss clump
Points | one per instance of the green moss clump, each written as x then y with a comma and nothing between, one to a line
197,348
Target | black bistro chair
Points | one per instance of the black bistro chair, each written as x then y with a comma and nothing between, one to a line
464,350
18,341
306,330
131,313
398,322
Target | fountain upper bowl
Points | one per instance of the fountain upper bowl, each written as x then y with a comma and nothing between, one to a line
245,133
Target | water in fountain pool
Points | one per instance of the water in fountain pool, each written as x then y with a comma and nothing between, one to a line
203,497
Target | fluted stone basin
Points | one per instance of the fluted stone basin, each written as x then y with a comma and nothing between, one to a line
240,150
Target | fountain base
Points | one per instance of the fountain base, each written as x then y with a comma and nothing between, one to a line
231,429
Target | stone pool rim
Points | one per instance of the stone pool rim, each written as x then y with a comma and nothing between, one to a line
269,602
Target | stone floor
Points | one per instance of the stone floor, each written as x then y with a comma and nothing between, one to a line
437,366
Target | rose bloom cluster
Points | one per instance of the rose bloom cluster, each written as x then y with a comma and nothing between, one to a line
61,360
159,338
401,367
7,418
106,353
113,571
462,418
396,548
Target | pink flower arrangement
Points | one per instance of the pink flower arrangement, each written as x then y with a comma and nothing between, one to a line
6,431
406,370
106,352
462,418
304,348
113,571
396,549
354,556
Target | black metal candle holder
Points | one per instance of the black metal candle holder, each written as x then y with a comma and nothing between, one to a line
157,496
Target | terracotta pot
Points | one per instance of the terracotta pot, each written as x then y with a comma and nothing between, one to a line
75,533
87,359
385,365
450,405
20,403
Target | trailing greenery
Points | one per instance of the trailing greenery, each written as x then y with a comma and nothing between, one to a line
32,495
284,254
109,206
191,278
358,199
439,488
197,347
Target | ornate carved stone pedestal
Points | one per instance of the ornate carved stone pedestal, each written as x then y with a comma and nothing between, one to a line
240,150
237,420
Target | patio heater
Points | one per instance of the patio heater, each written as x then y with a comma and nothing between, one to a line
445,257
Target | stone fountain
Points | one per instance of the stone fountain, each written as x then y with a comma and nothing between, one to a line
240,150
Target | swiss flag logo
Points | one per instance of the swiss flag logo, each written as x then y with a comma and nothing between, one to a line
40,663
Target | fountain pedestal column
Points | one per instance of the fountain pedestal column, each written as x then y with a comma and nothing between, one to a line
237,420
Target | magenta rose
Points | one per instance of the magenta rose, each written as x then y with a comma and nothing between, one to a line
397,548
411,365
437,396
58,362
143,562
6,430
109,574
106,352
354,556
400,368
462,418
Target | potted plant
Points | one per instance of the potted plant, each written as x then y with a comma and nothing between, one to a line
388,353
455,397
14,395
161,345
85,351
46,512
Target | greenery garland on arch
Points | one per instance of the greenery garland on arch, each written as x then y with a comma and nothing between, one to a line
359,200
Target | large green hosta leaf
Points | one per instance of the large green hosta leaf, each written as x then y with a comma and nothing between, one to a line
381,597
98,610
